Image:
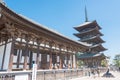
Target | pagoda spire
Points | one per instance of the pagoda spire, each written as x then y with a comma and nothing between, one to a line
86,16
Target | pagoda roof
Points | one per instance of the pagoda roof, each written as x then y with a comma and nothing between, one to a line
87,24
94,39
98,48
91,55
91,31
38,27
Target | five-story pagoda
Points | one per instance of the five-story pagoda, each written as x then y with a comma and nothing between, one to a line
89,32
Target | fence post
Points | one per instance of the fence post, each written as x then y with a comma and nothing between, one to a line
71,73
64,76
44,75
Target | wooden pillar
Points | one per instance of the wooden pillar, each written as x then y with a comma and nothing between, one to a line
26,52
25,60
0,38
3,59
75,61
70,64
30,60
61,61
72,61
57,60
69,61
11,32
100,62
38,52
11,54
61,57
37,60
66,58
18,58
74,58
44,61
50,66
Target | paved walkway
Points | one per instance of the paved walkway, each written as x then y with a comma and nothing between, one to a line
116,74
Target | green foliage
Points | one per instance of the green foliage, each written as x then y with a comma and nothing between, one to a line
80,63
117,60
104,63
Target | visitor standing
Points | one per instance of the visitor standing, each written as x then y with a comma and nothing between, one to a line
98,72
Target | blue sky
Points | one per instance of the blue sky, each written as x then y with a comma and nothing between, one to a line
63,15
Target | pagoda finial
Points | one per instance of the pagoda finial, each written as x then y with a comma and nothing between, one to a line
86,17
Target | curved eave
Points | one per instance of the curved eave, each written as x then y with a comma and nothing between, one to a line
39,27
98,48
92,31
95,39
87,24
91,55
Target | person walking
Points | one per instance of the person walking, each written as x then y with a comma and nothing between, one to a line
98,72
93,72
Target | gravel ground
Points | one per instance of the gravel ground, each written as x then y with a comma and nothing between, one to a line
115,74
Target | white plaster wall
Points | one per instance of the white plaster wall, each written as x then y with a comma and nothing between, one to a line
34,57
71,60
48,58
14,66
74,61
21,66
27,59
27,67
1,54
20,56
58,59
22,59
40,57
14,59
7,56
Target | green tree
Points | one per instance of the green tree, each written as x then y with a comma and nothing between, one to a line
80,63
117,60
104,63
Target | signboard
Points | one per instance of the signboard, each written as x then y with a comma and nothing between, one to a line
21,77
34,71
